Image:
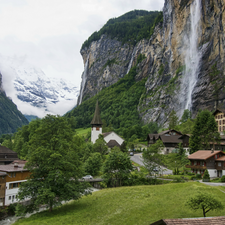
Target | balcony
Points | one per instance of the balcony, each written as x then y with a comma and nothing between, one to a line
197,167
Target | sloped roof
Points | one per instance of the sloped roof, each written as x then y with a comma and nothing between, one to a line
203,154
12,167
218,111
171,139
113,143
96,119
222,158
167,131
106,134
219,220
2,174
5,150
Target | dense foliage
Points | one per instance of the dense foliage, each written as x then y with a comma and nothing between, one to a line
10,118
53,160
128,28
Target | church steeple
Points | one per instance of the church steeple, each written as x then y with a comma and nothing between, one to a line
96,119
96,124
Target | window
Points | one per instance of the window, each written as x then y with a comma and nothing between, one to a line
13,197
9,197
219,163
97,128
14,174
13,185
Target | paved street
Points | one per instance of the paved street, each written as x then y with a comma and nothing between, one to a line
137,158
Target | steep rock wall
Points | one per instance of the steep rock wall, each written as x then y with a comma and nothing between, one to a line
165,65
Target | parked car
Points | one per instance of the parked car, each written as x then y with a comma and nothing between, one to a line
131,153
87,177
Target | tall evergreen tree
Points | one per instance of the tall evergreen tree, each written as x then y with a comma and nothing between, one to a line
205,131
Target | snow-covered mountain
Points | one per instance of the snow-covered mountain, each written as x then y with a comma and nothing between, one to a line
33,92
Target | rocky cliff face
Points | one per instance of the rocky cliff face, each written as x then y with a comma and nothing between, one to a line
184,62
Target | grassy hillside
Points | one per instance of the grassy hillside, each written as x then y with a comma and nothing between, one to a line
118,104
10,117
128,205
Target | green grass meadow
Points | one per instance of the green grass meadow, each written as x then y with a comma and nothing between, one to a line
83,131
129,205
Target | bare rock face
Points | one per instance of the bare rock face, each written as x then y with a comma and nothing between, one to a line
184,63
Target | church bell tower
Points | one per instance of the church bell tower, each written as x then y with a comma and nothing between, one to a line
96,124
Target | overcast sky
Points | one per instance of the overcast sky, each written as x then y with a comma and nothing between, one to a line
49,33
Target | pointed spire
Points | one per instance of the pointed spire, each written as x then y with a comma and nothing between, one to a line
96,119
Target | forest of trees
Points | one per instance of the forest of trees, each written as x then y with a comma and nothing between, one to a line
128,28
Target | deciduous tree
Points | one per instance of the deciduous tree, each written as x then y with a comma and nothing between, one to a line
117,167
54,165
204,201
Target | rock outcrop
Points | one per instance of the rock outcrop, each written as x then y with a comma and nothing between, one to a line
184,62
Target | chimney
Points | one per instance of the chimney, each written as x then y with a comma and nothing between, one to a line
15,164
212,150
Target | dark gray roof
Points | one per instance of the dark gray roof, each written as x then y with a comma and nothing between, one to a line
218,111
171,139
5,150
96,119
106,134
113,143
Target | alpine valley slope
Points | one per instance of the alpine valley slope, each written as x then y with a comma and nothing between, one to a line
183,61
10,117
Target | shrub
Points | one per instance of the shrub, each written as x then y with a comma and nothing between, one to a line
223,178
178,180
198,176
193,177
191,174
206,175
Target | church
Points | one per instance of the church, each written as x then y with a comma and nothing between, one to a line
112,139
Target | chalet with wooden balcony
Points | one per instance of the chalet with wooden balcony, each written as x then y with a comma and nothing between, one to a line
213,161
15,175
170,139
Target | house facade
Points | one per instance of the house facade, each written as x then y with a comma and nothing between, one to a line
171,140
2,188
213,161
15,175
220,119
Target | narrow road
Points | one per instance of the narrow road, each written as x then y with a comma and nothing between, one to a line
137,158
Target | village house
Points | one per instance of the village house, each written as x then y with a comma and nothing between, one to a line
7,155
15,174
2,188
112,139
170,139
213,161
220,119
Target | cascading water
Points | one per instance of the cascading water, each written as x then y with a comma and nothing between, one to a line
84,78
193,55
131,61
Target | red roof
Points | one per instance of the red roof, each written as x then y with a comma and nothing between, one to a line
204,154
219,220
221,158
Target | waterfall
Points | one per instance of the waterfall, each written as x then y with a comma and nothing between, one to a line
84,78
132,59
193,55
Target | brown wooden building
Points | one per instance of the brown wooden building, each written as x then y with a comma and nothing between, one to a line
2,188
213,161
7,155
170,139
15,174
